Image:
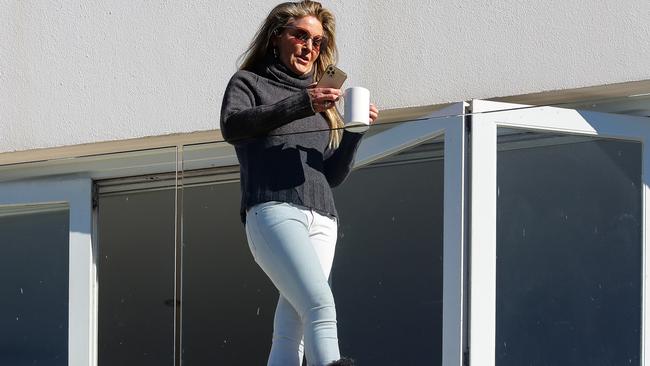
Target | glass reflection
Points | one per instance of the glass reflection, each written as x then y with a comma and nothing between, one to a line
136,274
387,275
228,302
568,250
34,251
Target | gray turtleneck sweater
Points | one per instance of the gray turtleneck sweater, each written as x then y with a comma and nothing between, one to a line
280,142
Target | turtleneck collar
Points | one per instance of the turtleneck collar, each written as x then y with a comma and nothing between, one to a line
274,69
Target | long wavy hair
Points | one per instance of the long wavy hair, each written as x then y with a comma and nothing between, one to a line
283,14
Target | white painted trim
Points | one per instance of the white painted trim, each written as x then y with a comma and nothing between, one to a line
76,192
562,120
488,116
126,164
97,167
453,241
406,135
483,241
109,147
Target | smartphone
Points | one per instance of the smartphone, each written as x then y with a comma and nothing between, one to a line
333,78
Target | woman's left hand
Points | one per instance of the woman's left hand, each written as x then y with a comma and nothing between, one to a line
374,113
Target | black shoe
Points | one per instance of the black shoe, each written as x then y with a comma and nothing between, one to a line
343,362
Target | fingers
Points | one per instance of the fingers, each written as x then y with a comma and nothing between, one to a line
374,113
323,99
321,94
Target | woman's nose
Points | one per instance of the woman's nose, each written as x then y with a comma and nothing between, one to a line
310,44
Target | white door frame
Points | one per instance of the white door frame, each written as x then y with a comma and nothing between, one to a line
76,193
487,117
450,123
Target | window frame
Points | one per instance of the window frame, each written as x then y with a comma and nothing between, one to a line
487,117
76,193
448,122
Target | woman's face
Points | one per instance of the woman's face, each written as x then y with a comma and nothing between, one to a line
297,44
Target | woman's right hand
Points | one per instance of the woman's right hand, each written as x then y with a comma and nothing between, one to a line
323,99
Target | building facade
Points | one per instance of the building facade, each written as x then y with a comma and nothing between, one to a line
496,214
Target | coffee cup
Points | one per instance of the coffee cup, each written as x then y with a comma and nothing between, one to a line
357,109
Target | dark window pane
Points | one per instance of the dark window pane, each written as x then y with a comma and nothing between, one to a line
34,252
387,275
568,251
228,302
136,278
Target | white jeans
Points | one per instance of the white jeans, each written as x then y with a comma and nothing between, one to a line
295,245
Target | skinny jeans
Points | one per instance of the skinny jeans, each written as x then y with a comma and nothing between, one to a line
294,246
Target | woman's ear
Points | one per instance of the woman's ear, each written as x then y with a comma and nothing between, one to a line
275,37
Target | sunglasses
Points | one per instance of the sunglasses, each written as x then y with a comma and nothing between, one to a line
303,36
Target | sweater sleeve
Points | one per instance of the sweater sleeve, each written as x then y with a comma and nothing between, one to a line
339,164
241,118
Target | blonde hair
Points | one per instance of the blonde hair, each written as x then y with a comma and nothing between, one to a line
281,16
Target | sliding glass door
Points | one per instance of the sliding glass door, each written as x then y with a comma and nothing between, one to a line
558,249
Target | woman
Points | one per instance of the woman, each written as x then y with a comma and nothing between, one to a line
292,150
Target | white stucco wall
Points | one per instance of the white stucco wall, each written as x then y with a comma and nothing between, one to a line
83,71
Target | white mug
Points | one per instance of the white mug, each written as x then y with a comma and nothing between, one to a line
357,109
